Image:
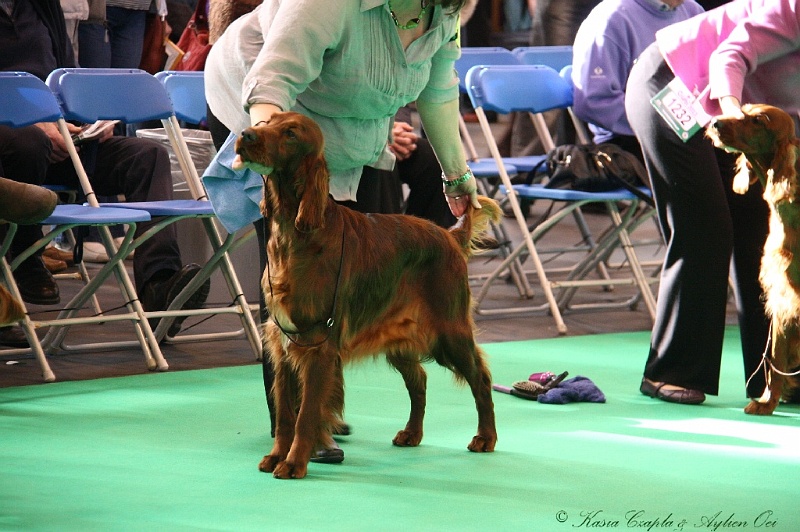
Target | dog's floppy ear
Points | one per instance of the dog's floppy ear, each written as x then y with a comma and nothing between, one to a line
265,202
783,163
745,176
314,194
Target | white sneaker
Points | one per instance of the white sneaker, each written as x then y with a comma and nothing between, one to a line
96,252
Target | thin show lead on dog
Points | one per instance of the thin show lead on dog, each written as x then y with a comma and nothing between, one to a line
342,285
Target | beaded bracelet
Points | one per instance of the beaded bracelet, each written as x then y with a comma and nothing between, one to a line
457,181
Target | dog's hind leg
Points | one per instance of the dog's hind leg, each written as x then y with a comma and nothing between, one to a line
416,381
780,354
466,360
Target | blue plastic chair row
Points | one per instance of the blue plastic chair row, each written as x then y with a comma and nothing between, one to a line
135,96
534,89
88,95
27,100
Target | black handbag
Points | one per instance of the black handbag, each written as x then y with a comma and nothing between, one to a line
595,168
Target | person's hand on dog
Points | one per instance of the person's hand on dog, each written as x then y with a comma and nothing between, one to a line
731,107
461,196
262,112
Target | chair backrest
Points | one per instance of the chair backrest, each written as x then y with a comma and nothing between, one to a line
187,91
524,88
481,55
556,57
26,100
90,94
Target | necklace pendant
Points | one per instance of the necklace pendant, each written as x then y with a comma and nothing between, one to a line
414,22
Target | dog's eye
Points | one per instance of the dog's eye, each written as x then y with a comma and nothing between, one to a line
291,134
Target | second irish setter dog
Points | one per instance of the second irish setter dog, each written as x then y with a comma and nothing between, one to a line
765,137
341,286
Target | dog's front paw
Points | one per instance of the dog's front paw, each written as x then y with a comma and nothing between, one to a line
287,470
407,438
482,444
268,463
760,409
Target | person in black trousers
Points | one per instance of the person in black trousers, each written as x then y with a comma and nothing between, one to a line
704,224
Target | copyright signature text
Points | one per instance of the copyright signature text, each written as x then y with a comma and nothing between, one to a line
642,520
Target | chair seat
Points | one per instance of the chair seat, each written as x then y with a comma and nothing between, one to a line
488,168
188,207
561,194
84,214
524,163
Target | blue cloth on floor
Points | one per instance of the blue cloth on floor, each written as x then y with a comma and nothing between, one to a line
235,195
573,390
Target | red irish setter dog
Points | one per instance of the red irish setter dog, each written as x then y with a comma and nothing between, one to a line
341,286
765,137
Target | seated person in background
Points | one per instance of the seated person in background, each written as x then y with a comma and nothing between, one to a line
554,23
34,39
608,42
418,168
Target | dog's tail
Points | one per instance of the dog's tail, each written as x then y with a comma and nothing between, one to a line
470,230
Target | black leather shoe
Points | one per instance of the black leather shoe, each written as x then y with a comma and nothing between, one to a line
36,285
328,455
157,295
13,337
671,393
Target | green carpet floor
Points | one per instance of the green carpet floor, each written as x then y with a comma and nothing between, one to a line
178,451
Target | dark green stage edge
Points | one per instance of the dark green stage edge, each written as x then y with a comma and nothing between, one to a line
178,451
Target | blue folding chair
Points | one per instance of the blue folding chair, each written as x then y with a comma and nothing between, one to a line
487,166
132,95
187,93
486,169
556,57
534,89
27,100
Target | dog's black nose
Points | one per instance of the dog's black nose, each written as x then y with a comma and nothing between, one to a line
719,125
249,135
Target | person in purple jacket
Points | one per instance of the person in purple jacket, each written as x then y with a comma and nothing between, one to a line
746,51
608,42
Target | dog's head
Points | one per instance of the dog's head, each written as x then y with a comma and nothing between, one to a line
765,137
288,151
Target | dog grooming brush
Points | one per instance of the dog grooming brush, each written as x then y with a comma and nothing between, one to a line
537,384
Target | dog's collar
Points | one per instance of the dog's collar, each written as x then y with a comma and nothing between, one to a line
330,322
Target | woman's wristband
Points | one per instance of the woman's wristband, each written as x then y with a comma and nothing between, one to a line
463,178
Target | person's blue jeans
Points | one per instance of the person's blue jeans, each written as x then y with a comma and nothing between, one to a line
117,44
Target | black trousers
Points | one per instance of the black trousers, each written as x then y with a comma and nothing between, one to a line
137,168
710,233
